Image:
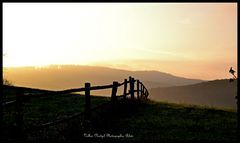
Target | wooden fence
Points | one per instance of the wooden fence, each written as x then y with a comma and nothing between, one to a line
21,97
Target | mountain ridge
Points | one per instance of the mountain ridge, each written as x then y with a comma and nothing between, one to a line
59,77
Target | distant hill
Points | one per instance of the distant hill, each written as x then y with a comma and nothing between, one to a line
163,79
71,76
217,93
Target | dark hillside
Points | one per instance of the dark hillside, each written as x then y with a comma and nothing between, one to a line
217,93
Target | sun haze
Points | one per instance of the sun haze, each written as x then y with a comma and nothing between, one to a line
194,40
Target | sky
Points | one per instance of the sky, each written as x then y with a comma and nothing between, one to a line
193,40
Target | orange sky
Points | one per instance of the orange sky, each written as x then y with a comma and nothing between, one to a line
194,40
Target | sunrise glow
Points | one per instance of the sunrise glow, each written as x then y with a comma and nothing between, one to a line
195,40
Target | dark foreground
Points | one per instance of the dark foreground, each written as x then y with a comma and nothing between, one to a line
125,120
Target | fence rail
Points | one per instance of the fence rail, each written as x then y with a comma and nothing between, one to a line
141,90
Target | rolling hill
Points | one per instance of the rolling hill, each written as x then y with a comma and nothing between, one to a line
217,93
71,76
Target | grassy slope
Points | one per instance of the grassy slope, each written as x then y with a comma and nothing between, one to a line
145,120
41,110
150,120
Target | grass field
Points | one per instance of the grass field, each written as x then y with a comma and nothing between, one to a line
127,120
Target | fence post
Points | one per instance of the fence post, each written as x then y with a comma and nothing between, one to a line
1,115
19,114
87,101
125,89
131,87
114,91
138,89
147,94
141,90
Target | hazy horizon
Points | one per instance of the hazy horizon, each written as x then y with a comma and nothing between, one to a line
192,40
42,67
161,86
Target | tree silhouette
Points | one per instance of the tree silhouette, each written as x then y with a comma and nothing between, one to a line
5,81
232,72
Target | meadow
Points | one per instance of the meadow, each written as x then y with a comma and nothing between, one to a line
127,120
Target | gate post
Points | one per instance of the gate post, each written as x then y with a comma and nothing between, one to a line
125,89
138,89
131,87
114,91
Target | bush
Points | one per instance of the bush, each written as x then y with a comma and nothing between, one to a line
7,82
